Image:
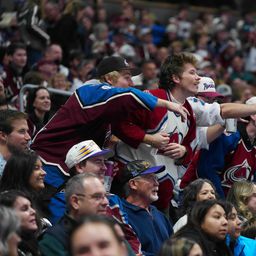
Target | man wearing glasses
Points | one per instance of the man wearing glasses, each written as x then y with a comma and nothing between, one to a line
87,157
83,157
85,195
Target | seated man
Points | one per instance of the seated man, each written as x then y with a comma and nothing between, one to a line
14,136
141,187
87,157
85,195
83,157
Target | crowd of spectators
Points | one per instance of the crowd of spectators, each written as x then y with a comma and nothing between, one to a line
71,38
86,121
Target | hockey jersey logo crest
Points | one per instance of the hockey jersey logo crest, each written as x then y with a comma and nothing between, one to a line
237,173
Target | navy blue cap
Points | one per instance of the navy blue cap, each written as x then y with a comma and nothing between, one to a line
138,168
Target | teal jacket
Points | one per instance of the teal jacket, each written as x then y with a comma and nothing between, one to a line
244,246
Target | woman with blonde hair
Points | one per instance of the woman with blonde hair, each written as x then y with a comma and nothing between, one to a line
243,196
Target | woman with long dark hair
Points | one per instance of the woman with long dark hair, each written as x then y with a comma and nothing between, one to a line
23,171
21,203
208,226
198,190
38,108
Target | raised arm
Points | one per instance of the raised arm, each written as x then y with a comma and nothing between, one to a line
210,114
214,132
236,110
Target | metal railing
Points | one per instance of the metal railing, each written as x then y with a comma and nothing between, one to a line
32,86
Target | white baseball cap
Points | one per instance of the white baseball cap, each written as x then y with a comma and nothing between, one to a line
252,100
206,87
84,150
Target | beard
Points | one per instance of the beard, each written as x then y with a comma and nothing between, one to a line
15,150
154,198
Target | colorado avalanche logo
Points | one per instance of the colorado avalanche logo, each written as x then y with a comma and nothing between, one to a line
237,173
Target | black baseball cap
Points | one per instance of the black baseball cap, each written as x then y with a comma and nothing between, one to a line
138,168
115,63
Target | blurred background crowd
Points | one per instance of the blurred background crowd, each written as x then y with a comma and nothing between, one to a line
60,42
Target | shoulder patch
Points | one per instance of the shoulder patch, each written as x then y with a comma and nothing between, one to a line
105,87
195,100
147,91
